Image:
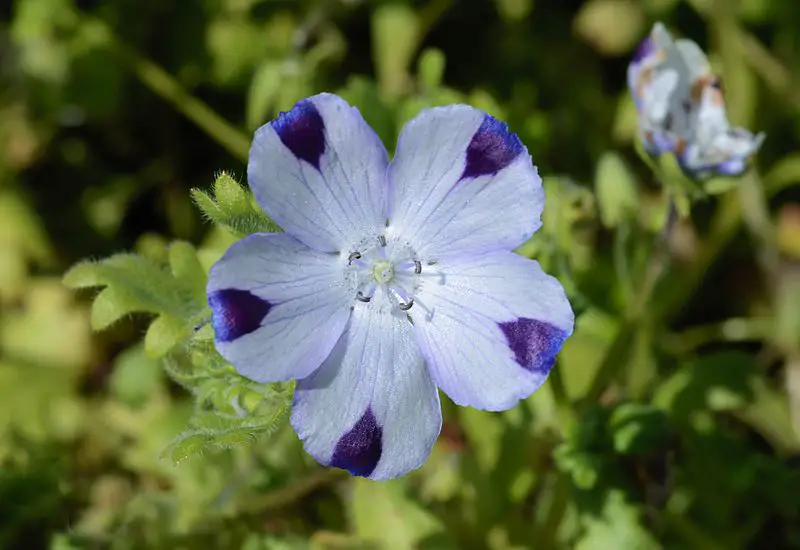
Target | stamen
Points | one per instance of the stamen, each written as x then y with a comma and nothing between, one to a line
382,240
353,256
417,267
366,293
404,300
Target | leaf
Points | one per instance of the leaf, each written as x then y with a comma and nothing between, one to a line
136,376
164,333
232,207
617,195
638,428
719,184
381,512
187,446
133,284
186,268
619,526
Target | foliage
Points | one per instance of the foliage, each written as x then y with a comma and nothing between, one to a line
672,419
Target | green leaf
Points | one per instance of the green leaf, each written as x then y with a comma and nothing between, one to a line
164,333
381,512
619,526
187,446
133,284
233,208
718,185
617,195
187,269
638,428
136,377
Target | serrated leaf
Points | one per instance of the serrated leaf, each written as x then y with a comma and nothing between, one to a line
229,194
187,446
163,334
238,438
233,208
187,269
112,304
619,526
83,275
136,376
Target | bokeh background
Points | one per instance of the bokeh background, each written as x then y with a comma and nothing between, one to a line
673,417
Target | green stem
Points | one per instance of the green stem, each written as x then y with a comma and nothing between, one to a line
289,494
730,330
165,86
545,537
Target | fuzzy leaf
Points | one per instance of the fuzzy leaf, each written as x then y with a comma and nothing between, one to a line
163,334
187,269
233,208
619,526
187,446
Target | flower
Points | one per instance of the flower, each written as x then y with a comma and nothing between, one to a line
392,278
682,110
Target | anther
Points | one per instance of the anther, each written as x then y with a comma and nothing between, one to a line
353,256
361,298
407,305
381,240
417,267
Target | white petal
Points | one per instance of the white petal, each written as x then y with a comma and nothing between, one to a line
460,181
319,171
490,327
372,407
278,306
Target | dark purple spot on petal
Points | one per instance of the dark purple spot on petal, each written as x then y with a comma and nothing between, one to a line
302,131
492,148
646,48
535,343
359,450
236,312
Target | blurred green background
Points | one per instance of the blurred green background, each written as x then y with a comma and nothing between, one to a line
673,417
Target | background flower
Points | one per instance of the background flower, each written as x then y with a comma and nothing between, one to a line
682,110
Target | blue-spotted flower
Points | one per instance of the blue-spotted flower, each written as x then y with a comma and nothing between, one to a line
392,279
682,110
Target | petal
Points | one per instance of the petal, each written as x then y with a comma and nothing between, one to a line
278,306
372,407
319,171
490,327
460,181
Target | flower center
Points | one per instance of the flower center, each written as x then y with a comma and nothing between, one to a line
384,274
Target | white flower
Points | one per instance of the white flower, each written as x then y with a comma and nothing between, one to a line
682,110
391,279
